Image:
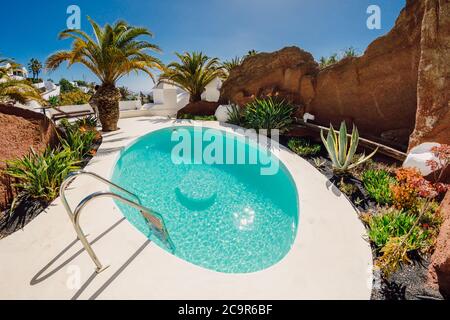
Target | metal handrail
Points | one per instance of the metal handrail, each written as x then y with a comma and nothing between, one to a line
75,215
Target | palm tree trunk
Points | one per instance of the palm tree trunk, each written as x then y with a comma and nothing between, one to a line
195,97
106,99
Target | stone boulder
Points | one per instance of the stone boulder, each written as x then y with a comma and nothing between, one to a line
433,87
222,112
419,156
377,91
288,73
439,270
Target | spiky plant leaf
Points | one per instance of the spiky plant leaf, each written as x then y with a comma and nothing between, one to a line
343,140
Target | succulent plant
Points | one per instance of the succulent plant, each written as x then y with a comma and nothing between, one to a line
341,151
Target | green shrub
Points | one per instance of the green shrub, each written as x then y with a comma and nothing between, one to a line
370,164
235,116
304,147
378,185
269,114
74,98
66,86
54,101
392,223
328,61
40,175
197,118
79,141
87,122
347,188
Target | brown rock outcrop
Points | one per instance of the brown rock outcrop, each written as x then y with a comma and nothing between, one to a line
21,130
439,270
288,73
399,85
433,89
199,108
377,91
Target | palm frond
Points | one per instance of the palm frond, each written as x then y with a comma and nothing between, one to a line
193,73
112,52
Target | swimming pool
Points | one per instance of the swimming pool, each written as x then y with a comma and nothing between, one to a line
225,217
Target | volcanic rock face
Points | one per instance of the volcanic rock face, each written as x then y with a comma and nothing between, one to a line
22,129
288,73
377,91
439,272
199,108
433,92
402,79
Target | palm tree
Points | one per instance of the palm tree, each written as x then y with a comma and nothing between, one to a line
114,52
6,66
193,73
233,63
19,91
12,91
35,67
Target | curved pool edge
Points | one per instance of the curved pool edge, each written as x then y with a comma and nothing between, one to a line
330,259
235,131
290,160
313,242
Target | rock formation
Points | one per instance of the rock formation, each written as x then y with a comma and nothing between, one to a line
22,129
377,91
288,73
433,89
199,108
403,72
439,270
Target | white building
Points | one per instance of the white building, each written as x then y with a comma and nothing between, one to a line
168,99
81,88
18,73
48,89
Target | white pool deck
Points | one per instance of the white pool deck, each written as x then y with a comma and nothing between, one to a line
330,258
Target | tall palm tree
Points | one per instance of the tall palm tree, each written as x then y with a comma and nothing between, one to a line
193,73
35,67
112,53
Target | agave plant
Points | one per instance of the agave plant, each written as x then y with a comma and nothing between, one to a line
269,114
113,52
341,151
40,175
235,115
193,73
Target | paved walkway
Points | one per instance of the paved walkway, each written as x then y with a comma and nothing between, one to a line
329,260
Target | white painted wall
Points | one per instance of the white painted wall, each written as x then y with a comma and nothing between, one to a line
130,105
212,91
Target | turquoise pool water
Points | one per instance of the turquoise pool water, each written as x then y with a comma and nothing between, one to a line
224,217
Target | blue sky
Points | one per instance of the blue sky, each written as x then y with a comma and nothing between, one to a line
220,28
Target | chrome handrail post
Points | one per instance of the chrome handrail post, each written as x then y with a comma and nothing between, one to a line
75,215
